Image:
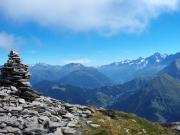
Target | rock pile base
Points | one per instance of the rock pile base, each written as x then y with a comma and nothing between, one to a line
42,116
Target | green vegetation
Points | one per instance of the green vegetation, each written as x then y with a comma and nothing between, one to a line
123,124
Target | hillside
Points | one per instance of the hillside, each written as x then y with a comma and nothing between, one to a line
158,101
119,123
86,78
173,69
66,93
101,97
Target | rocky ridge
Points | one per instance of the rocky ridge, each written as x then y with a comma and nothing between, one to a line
42,116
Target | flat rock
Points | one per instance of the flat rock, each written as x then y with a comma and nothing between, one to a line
58,131
69,131
11,129
22,101
56,124
68,115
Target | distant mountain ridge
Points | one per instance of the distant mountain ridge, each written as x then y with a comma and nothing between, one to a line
117,73
156,98
86,78
127,70
71,74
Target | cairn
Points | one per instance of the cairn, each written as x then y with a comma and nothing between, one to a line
16,74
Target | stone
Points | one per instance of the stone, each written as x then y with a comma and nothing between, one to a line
55,118
2,94
95,125
22,101
2,110
72,124
44,118
68,115
34,131
13,88
69,131
31,122
88,122
11,129
87,112
32,112
3,131
58,131
36,103
53,125
2,125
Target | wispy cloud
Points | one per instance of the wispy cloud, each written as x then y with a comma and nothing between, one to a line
33,52
106,16
81,61
9,41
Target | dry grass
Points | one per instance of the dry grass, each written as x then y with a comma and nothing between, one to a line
123,124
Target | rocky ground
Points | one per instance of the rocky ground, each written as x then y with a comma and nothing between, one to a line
43,116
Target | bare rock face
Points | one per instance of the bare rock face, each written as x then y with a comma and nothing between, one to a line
16,74
25,112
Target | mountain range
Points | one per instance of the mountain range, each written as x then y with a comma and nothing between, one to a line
70,74
96,77
155,97
127,70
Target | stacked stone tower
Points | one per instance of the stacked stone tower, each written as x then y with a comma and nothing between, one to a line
16,74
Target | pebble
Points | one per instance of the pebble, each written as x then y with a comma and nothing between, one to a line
22,101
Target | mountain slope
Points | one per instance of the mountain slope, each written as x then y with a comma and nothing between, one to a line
44,72
67,93
119,123
158,101
101,97
86,78
173,69
70,74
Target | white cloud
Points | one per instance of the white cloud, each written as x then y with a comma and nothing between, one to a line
9,41
106,16
80,61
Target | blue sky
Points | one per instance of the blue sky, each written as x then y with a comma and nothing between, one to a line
92,33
